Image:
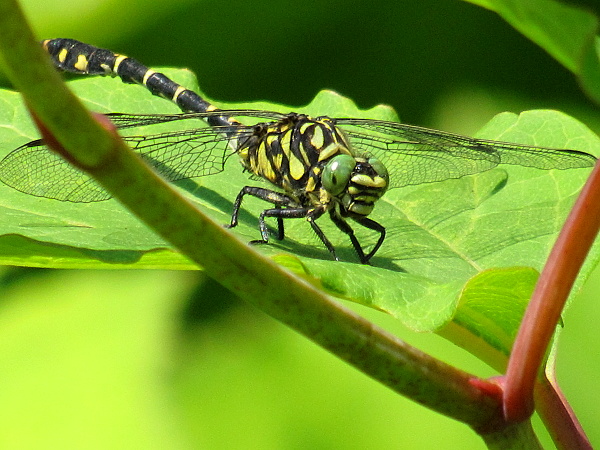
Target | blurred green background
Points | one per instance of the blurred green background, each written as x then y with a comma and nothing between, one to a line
102,359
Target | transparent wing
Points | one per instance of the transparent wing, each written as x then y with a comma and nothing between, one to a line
412,155
415,155
123,121
35,170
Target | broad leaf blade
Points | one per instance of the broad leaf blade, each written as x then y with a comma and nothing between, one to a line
489,313
439,234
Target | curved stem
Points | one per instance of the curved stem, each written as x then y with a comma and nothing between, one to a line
549,298
232,263
555,411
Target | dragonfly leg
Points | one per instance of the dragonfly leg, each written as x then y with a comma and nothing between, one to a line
343,226
270,196
375,226
367,223
317,229
311,215
285,208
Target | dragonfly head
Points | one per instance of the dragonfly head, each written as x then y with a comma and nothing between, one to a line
356,182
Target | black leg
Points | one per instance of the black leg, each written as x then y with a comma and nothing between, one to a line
264,194
280,230
367,223
375,226
343,225
280,213
286,208
321,235
311,215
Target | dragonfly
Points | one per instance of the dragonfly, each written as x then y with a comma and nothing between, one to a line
315,165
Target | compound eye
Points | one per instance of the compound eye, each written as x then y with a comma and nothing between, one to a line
337,173
379,169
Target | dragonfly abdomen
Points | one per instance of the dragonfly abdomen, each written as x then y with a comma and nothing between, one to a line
73,56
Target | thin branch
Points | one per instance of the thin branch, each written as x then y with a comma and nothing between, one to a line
226,259
548,299
559,418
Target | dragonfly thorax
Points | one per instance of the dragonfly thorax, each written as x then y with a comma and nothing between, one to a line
292,152
312,161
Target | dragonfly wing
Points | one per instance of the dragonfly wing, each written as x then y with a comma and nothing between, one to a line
415,155
187,154
123,120
412,159
35,170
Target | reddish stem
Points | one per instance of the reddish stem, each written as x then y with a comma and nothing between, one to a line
559,418
549,298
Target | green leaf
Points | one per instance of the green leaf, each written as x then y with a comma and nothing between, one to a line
489,313
440,235
568,33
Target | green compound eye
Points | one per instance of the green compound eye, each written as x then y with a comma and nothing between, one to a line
380,169
337,172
